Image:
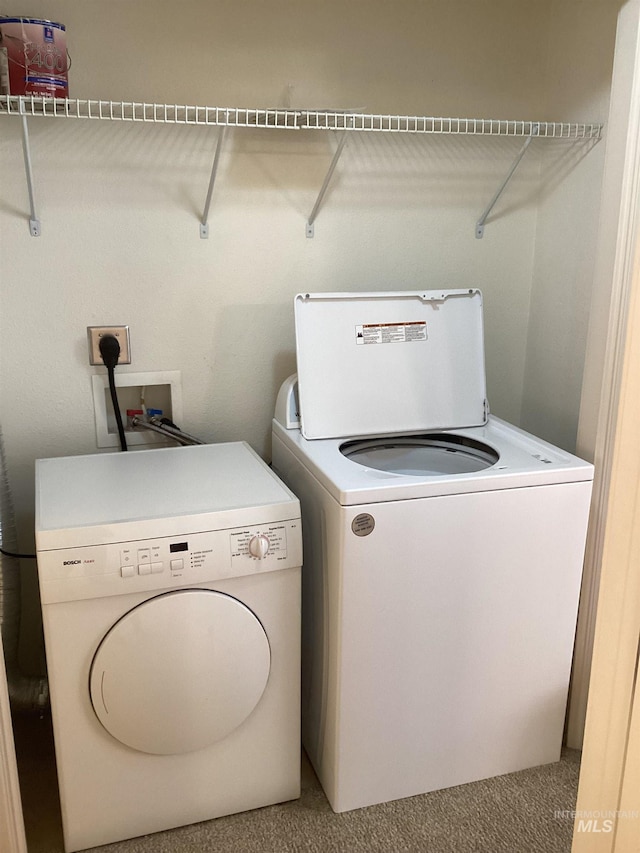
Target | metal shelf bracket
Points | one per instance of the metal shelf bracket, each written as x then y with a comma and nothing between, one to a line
34,222
309,229
204,222
535,130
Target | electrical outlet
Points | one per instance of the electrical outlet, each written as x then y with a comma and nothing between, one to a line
121,333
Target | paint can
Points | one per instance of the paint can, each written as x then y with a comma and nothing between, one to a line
33,58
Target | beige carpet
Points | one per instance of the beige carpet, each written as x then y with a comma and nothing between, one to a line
510,814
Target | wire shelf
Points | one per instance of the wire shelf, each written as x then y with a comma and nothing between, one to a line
36,105
461,126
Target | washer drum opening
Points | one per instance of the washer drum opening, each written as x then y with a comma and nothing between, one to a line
420,455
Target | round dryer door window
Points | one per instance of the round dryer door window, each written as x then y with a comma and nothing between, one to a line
180,671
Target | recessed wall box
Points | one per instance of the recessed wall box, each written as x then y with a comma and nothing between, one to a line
160,389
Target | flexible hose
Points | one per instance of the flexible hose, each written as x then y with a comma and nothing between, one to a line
174,430
138,424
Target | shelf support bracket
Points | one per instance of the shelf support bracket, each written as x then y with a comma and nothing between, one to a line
204,222
483,218
34,222
325,185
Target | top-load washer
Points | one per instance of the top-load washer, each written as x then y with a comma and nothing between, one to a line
170,587
443,551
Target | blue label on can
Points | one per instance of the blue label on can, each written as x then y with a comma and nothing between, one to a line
47,81
52,24
48,33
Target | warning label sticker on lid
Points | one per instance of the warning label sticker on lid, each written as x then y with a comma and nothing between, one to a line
391,333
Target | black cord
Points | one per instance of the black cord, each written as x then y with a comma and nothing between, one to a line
116,408
110,352
19,556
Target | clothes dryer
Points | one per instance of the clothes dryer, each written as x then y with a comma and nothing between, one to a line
443,551
170,587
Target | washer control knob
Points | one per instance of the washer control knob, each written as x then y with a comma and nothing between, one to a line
259,546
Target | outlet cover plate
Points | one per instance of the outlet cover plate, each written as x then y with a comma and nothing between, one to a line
121,333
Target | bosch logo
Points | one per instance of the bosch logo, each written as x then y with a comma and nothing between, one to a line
71,562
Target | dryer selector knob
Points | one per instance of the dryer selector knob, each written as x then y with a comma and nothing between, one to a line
259,546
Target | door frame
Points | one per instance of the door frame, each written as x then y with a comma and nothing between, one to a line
12,834
608,805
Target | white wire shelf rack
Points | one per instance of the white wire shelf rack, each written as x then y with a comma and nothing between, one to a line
344,122
36,105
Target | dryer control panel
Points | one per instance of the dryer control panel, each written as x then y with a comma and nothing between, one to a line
94,571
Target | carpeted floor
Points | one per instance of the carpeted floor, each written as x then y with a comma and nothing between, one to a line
517,813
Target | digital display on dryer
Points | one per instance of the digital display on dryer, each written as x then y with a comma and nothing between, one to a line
178,546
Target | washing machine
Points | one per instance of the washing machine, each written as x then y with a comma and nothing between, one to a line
443,551
170,587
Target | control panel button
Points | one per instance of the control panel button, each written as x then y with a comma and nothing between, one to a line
127,571
156,568
176,565
144,569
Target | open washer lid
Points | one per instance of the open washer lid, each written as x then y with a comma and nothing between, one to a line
376,363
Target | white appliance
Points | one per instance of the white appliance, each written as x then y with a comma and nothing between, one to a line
170,586
442,551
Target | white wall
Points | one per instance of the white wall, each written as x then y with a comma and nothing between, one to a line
568,219
120,203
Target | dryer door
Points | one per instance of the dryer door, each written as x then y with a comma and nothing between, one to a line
180,671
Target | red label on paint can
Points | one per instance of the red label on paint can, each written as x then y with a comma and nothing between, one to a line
33,58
